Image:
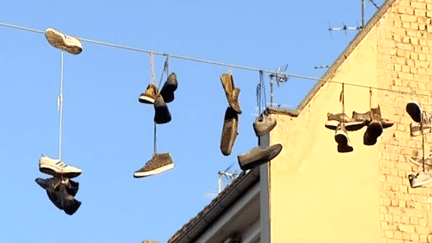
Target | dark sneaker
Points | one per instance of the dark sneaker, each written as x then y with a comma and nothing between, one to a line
71,186
258,156
229,131
420,179
63,42
169,87
415,111
375,127
149,95
160,162
232,93
264,124
58,193
342,139
333,121
162,114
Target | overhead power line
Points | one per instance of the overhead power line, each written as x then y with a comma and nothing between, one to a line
289,75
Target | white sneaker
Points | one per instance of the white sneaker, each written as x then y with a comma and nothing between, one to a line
57,167
63,42
420,179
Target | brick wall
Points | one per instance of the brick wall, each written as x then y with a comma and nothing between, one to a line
404,57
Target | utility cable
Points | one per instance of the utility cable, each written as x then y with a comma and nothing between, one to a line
289,75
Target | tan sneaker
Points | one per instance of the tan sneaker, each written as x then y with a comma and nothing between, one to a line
63,42
149,95
57,167
160,162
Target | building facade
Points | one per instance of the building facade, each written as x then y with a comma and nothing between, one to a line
313,193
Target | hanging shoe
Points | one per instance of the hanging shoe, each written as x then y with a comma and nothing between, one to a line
375,127
63,42
416,129
160,162
415,111
232,93
149,95
264,124
258,156
59,192
420,179
342,139
162,114
333,121
71,186
229,131
56,167
169,87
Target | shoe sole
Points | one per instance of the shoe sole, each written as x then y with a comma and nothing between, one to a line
57,40
349,126
153,172
50,170
229,131
146,99
372,133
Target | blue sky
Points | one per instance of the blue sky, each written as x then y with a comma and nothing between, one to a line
109,134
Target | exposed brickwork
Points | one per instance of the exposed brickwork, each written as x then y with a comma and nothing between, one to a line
404,57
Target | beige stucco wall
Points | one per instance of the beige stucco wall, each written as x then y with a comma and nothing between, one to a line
320,195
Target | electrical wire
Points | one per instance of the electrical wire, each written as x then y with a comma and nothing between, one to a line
289,75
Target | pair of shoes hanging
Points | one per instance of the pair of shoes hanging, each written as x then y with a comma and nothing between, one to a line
63,42
341,123
230,124
159,99
60,189
61,192
258,156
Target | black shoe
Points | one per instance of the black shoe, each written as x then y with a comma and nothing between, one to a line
258,156
53,182
415,111
169,87
162,114
229,131
375,127
342,139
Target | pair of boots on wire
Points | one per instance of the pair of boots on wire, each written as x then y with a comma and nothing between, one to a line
60,189
342,123
262,126
159,99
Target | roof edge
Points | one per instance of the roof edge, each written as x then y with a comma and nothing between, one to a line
195,226
342,57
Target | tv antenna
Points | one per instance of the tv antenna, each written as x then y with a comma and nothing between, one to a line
322,67
228,176
344,28
280,78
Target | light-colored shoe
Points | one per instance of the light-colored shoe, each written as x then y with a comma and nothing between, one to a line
420,179
160,162
57,167
258,156
264,124
232,93
63,42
